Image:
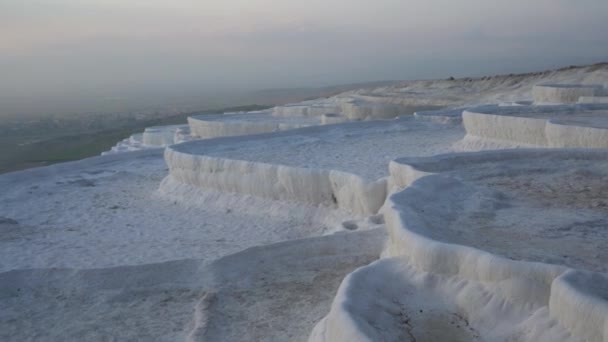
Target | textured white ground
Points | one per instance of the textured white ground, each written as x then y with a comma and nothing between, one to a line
362,148
107,211
92,250
486,90
94,217
543,208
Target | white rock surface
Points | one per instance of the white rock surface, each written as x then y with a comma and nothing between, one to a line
268,293
161,136
334,165
564,93
445,116
583,125
387,102
593,99
317,107
359,110
141,263
484,282
132,143
332,118
152,137
107,212
215,126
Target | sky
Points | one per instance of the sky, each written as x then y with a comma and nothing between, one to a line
112,47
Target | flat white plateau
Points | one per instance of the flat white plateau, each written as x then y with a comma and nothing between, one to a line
361,148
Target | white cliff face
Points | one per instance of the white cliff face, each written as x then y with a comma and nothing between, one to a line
327,220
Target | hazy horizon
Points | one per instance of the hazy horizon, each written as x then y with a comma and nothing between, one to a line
69,50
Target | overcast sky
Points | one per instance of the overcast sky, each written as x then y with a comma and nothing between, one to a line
111,46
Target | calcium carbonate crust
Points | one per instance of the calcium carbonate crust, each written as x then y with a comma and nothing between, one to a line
503,299
564,93
312,186
160,136
214,126
571,126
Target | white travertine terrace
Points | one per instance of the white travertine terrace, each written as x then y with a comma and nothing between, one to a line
564,93
333,118
161,136
152,137
278,182
292,116
280,118
583,125
448,116
469,238
361,110
309,108
351,108
491,246
226,125
333,165
132,143
290,110
593,99
303,109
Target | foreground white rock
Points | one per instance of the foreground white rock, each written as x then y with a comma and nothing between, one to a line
475,252
387,102
583,125
485,246
235,298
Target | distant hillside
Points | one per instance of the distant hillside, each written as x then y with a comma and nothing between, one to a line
480,90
